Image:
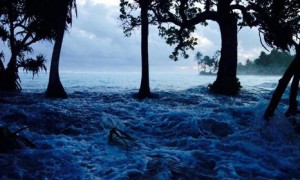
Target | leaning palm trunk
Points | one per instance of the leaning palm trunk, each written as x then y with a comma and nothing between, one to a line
291,71
1,74
293,109
55,88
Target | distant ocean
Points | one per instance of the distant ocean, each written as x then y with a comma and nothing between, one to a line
73,81
185,133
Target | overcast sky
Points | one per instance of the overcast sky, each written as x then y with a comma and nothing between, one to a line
96,43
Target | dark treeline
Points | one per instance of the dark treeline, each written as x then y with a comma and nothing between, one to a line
273,63
25,22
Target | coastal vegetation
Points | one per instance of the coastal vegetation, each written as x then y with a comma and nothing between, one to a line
25,22
273,63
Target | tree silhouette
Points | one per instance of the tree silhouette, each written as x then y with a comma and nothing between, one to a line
185,15
131,21
61,16
198,58
1,69
205,61
273,63
279,22
19,29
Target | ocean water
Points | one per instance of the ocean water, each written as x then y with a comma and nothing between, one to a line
185,133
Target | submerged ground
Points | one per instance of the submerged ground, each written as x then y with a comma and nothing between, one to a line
185,133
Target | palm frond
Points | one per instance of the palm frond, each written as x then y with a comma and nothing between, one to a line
33,65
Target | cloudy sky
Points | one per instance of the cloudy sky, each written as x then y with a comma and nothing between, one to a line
96,43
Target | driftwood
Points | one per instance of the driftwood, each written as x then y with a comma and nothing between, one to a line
120,138
11,141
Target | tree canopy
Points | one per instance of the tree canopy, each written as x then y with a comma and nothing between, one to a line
23,23
279,22
20,27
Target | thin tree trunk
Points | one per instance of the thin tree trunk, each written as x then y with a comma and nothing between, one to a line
55,88
144,91
283,83
10,74
1,74
11,77
293,105
1,65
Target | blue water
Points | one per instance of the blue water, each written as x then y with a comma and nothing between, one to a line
186,133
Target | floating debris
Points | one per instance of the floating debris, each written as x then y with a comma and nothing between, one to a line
118,137
11,141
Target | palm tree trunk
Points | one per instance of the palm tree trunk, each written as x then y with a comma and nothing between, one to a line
10,74
55,88
293,109
1,65
1,74
144,91
11,77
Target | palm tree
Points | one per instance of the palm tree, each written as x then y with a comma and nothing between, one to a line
20,28
198,58
62,11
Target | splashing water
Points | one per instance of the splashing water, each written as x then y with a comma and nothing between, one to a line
185,133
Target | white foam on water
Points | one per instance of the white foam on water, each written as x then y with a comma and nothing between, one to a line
185,133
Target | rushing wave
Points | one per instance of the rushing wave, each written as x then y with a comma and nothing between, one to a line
185,133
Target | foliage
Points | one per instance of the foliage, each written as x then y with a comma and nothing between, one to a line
198,58
273,63
278,21
181,38
185,15
33,65
130,18
212,63
21,25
